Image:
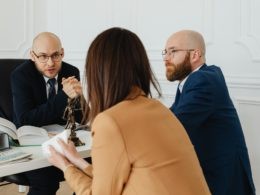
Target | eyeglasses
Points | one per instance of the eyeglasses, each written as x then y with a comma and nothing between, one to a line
56,57
171,52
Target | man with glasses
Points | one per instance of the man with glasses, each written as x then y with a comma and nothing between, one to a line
41,87
205,109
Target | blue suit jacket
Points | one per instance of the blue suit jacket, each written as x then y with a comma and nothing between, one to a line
30,103
206,111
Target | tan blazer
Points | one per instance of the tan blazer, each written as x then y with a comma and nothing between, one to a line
139,148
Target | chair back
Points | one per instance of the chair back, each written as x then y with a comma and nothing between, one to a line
6,98
6,106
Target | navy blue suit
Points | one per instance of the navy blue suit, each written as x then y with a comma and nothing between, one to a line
31,107
30,103
205,109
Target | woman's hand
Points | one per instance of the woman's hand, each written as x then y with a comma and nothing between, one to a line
58,160
71,155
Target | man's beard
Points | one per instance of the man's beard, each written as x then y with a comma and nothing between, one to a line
181,70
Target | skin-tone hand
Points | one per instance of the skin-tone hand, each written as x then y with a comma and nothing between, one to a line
58,160
71,156
72,87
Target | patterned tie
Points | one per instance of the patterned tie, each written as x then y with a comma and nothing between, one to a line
52,90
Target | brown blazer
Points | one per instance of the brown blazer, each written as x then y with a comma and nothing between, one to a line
139,148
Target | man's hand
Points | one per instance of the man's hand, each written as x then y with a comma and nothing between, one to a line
72,87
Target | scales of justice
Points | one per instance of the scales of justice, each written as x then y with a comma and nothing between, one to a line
69,115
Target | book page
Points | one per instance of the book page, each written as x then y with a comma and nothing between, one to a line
8,127
31,130
31,135
54,129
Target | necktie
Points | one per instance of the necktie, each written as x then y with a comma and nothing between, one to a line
52,90
177,97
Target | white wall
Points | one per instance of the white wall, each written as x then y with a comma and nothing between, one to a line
231,30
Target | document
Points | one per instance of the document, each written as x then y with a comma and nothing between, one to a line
53,142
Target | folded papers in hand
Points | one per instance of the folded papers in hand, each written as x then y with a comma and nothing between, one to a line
53,142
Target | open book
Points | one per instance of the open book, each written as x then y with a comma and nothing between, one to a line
29,135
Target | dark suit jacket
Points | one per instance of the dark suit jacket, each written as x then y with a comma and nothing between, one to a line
31,106
205,109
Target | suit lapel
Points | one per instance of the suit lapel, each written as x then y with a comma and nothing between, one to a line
60,76
203,67
42,88
177,97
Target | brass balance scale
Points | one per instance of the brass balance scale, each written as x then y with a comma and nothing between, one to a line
69,115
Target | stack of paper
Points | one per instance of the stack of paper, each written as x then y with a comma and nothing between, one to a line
13,155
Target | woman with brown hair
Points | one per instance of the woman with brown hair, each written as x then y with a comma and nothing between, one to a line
139,147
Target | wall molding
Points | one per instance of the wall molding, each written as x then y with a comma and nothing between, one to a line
247,38
76,54
243,82
21,48
208,22
23,41
240,101
255,101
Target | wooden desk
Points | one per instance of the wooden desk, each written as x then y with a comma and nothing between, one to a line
39,161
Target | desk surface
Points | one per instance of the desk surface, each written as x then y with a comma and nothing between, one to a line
38,160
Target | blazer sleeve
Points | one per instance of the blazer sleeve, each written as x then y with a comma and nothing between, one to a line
111,167
79,181
196,102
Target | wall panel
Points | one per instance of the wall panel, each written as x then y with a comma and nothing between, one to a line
16,28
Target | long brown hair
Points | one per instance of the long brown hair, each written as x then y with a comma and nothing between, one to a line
116,62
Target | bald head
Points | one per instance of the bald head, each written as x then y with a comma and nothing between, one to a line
46,38
189,39
47,54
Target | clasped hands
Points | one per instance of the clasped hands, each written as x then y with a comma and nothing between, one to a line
72,87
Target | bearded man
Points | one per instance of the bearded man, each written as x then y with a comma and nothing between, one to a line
205,109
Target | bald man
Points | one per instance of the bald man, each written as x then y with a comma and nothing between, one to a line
40,88
33,105
205,109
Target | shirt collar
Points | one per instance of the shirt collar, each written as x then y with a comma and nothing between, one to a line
47,78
